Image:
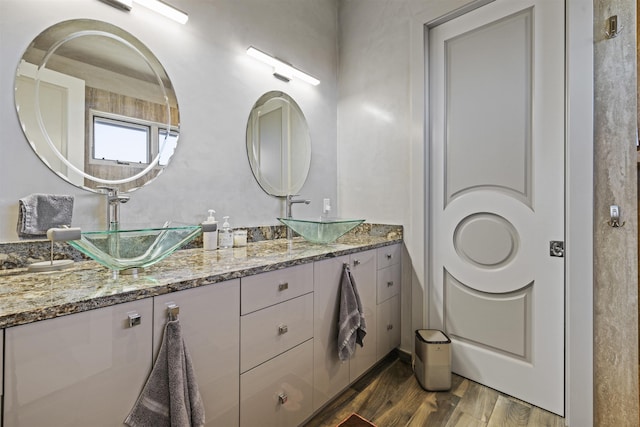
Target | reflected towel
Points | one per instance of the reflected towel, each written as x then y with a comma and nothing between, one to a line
40,212
170,397
352,327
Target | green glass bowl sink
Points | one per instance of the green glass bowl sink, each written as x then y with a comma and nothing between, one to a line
323,230
134,248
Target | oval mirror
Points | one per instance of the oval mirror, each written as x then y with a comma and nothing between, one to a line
96,105
278,144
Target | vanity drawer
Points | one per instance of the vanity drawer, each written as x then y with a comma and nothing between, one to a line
266,333
278,392
389,255
388,282
265,289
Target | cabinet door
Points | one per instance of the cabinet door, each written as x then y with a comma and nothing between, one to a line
389,255
388,326
363,268
330,375
389,282
84,369
209,319
273,330
273,287
278,392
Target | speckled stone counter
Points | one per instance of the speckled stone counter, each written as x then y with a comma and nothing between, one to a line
29,297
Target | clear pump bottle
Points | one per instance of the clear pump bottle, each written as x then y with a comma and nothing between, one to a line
226,234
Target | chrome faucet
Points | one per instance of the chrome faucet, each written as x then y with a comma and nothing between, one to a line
291,201
114,200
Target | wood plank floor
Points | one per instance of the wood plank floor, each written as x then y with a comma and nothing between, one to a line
390,396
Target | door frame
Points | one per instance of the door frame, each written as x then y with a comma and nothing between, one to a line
578,184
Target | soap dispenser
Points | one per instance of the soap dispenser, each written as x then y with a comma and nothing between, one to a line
210,232
226,234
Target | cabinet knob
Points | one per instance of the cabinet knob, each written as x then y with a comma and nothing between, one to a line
356,262
282,329
389,283
283,286
134,319
282,398
389,327
389,256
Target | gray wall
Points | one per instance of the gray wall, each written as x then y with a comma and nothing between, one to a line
616,249
217,84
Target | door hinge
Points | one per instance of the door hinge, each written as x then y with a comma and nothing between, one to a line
556,248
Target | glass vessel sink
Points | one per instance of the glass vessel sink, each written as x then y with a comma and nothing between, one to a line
134,248
325,230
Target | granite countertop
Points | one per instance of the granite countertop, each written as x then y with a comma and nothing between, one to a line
30,297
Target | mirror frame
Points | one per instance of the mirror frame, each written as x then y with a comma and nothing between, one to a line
294,156
101,35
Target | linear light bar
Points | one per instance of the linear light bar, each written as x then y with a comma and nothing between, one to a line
165,9
120,4
281,70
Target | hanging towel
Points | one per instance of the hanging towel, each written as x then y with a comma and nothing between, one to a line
40,212
170,397
352,327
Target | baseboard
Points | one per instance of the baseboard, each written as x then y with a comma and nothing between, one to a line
403,355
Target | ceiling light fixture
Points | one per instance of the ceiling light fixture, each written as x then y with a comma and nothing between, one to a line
165,9
281,70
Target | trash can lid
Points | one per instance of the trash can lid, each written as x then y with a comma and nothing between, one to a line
432,336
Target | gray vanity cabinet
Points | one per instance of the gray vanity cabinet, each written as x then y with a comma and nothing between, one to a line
208,318
389,278
330,375
84,369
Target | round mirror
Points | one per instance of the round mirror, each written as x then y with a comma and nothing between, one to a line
278,144
96,105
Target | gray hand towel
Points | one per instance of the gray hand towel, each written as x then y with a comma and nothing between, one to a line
40,212
352,327
170,397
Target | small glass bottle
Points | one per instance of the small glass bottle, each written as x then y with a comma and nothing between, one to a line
226,234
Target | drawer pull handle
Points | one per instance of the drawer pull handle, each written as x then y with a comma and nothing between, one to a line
389,256
282,398
389,327
356,262
134,319
283,286
282,329
390,284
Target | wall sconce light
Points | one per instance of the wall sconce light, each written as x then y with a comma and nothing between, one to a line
120,4
165,9
156,5
281,70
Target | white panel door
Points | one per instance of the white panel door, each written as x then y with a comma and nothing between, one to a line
496,89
